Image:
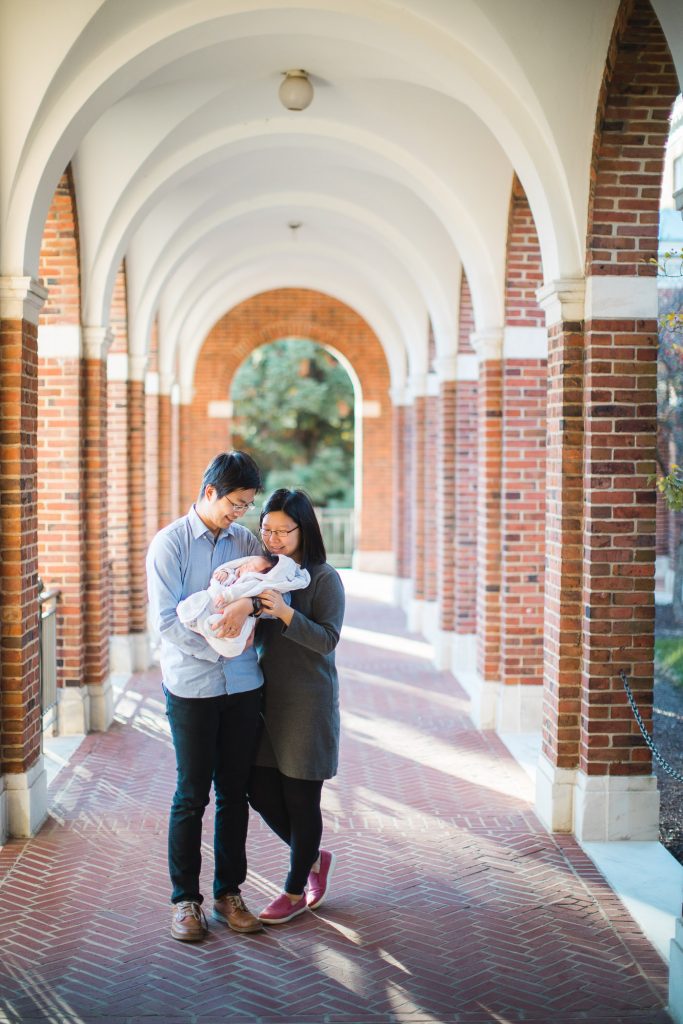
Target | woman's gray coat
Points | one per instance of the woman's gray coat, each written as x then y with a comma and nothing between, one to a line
301,691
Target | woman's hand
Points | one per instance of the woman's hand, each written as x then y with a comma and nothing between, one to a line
232,618
273,603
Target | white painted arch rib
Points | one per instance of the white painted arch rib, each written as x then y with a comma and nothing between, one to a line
428,47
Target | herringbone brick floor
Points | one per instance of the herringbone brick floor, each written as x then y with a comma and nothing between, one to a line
450,904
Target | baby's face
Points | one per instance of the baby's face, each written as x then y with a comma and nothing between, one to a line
255,564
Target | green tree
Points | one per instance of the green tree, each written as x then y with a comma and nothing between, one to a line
293,410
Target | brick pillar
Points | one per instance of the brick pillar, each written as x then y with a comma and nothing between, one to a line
61,519
523,531
402,494
165,459
177,508
96,341
189,480
152,438
445,509
418,539
23,781
616,794
432,539
137,488
489,454
563,303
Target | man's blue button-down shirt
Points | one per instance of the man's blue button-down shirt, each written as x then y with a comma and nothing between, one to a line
180,561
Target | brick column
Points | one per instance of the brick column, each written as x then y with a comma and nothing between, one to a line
402,494
151,454
616,793
165,453
137,488
444,545
127,517
96,341
189,480
490,439
23,780
61,519
430,611
177,508
418,540
523,507
563,304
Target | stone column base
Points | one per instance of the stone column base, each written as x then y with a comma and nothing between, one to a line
130,652
443,643
676,974
483,696
613,807
26,794
414,615
403,592
520,708
101,705
555,795
73,711
430,620
383,562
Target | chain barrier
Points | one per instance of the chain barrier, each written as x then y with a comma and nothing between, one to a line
646,736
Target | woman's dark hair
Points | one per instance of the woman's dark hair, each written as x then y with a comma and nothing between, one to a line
231,471
298,506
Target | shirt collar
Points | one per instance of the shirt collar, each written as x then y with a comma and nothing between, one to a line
199,527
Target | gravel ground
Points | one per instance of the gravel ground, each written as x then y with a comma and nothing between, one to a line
668,736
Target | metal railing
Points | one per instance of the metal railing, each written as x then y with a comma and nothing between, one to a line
336,525
47,600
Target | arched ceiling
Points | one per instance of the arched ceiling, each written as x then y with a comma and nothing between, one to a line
399,172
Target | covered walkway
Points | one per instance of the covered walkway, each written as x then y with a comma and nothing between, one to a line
452,903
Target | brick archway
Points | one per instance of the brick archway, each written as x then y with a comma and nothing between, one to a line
294,312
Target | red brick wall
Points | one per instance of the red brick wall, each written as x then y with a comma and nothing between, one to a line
619,534
20,722
60,482
429,497
117,468
490,400
444,539
466,460
524,453
98,595
301,313
402,495
152,449
418,540
562,690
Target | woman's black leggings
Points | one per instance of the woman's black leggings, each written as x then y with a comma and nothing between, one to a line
291,808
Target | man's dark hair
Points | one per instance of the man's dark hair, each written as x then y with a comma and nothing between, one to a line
298,506
231,471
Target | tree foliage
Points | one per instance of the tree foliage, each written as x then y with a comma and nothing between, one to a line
293,410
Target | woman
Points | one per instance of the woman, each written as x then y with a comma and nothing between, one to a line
300,742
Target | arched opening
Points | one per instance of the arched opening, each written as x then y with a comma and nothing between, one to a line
293,405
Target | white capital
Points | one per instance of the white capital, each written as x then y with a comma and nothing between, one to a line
562,300
21,298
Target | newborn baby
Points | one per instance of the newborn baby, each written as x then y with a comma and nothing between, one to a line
242,577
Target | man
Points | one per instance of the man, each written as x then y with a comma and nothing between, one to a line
213,703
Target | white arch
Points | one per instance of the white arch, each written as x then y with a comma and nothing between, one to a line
496,88
193,233
141,196
251,281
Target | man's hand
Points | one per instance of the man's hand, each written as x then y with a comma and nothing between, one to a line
232,619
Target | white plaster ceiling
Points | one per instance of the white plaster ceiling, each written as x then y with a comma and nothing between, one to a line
400,170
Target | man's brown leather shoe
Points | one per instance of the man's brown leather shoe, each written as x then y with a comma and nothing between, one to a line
232,910
188,923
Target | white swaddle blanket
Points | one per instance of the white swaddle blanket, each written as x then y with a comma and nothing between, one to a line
198,611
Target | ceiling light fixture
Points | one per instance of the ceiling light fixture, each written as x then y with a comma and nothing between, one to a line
296,91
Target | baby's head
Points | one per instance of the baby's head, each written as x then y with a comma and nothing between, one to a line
257,563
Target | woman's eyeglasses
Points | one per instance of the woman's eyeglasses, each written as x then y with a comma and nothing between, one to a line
280,534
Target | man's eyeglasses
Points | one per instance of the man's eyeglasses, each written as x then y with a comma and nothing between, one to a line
280,534
241,508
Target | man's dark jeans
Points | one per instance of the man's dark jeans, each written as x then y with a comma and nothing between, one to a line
215,741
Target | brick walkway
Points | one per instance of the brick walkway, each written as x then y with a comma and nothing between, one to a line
451,904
